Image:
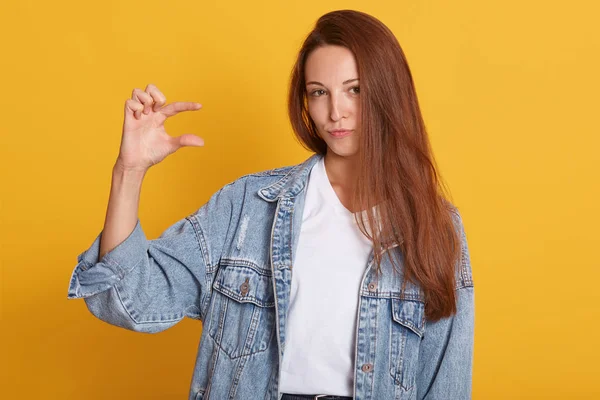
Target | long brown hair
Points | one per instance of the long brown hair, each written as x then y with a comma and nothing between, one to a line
395,157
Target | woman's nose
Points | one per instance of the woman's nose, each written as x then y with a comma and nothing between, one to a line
337,110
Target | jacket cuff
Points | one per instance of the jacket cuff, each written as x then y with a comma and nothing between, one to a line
92,276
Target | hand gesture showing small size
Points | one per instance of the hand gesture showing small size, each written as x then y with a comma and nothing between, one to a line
145,141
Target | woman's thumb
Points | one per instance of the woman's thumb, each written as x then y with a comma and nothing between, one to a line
189,140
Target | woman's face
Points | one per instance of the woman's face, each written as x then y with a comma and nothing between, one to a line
333,97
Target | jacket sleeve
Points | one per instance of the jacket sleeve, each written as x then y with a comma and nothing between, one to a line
446,353
150,285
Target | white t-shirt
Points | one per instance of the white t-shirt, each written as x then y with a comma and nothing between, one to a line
329,264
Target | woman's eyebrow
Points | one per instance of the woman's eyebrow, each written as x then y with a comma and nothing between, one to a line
319,83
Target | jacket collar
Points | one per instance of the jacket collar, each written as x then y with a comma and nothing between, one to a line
292,183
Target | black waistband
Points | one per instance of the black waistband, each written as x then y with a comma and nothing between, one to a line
287,396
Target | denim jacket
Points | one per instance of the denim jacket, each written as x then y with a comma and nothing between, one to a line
230,265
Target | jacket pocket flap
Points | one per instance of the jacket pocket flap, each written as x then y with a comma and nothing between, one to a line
244,285
410,314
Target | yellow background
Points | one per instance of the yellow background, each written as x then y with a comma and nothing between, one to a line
509,91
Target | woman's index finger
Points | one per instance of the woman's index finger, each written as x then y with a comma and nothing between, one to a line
180,106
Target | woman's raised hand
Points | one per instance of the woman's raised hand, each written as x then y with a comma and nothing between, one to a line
145,141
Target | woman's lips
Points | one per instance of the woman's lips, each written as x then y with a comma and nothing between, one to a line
340,133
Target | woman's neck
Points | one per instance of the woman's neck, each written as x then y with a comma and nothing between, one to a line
341,172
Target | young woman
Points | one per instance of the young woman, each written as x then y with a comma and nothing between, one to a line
345,276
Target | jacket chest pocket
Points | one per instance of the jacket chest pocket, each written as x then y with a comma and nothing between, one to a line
406,331
242,314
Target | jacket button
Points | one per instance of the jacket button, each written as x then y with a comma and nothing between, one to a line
372,286
245,287
367,367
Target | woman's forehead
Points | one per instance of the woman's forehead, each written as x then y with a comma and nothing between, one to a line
334,64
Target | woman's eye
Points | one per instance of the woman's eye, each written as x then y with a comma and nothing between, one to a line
356,89
316,93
